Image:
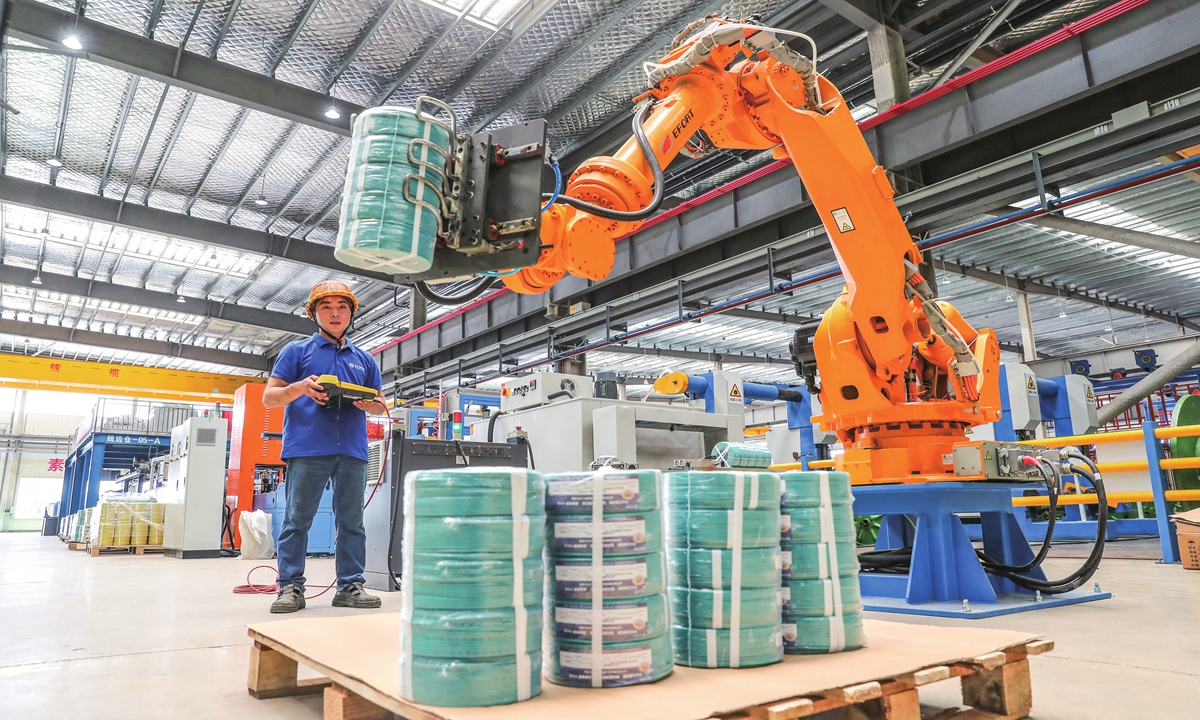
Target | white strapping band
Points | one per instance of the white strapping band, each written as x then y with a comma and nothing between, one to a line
710,637
837,627
598,579
520,543
408,541
734,541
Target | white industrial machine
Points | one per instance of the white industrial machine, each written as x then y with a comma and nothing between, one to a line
567,428
194,489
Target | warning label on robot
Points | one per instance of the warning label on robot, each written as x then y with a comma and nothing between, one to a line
841,218
735,392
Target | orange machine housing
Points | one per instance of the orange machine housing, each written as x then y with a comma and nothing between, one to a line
903,375
247,449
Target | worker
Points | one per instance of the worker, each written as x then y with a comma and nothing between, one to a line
324,443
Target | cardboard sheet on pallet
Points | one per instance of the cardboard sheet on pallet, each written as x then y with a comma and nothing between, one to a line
362,653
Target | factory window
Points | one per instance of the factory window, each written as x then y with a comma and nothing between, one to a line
34,494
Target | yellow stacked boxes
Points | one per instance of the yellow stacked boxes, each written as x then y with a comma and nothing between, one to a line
124,530
141,524
157,516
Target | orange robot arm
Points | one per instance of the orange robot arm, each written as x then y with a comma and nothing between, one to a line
888,353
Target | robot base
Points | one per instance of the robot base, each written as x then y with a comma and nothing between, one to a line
945,577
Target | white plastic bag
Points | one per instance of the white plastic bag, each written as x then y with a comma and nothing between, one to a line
257,541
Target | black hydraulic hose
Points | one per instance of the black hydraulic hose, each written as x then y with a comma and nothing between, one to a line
1047,471
492,423
561,393
1085,572
639,134
432,295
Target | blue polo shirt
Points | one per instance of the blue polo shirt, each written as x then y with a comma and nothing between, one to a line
308,428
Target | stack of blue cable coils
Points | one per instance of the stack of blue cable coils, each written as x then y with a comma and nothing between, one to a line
822,605
723,530
471,588
391,203
606,601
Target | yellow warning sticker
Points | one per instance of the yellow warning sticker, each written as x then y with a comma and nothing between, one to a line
1031,384
841,218
735,392
1089,394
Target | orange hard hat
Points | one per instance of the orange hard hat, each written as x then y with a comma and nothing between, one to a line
329,288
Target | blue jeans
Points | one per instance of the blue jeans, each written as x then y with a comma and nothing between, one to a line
304,484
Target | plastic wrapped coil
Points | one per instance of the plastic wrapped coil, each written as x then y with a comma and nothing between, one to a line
811,635
704,608
803,489
402,155
620,534
761,567
477,535
715,490
812,561
630,577
457,582
621,620
804,524
479,491
711,528
697,647
741,455
468,683
816,597
471,634
629,663
623,491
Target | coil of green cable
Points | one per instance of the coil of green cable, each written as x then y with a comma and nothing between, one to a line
629,663
621,534
804,524
478,535
471,635
393,151
803,488
469,683
621,620
703,608
814,635
710,528
468,492
405,122
442,582
811,561
761,567
715,490
636,576
624,491
698,647
810,598
741,455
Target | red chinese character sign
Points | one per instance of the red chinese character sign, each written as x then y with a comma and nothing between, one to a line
55,367
57,465
114,372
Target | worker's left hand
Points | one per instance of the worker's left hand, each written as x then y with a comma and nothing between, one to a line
373,407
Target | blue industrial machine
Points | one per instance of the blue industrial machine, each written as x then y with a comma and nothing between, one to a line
320,536
726,392
460,408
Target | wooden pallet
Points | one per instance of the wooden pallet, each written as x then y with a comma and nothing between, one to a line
95,550
72,545
995,684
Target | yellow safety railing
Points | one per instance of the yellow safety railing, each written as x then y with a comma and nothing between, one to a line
1113,437
1113,498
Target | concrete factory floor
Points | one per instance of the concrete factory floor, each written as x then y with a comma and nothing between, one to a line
125,636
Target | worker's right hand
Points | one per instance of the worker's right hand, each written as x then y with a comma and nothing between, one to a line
308,386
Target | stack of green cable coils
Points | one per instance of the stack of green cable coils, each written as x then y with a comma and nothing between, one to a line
606,601
471,589
822,605
723,530
391,203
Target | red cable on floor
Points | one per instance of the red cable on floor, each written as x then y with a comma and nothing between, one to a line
251,589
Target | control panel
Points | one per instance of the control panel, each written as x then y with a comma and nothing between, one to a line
991,460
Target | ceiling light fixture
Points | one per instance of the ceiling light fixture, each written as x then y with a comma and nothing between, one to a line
332,113
1062,313
72,41
262,193
1008,298
37,279
54,162
180,299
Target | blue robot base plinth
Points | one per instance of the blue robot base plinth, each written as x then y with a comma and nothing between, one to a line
945,570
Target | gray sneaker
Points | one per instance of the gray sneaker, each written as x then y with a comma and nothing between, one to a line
353,596
291,599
